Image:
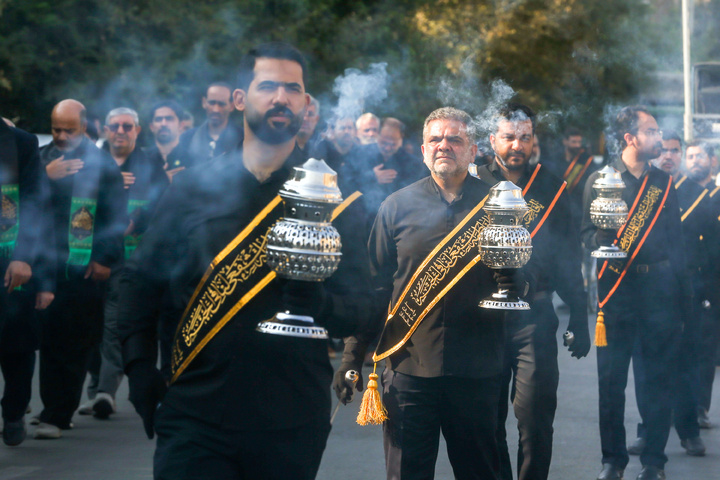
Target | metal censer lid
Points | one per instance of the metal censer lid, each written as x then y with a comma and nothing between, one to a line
314,180
609,179
505,196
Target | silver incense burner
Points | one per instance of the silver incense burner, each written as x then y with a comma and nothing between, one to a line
609,211
304,245
505,243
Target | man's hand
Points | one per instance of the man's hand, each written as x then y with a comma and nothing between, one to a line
384,176
605,237
304,298
43,300
512,280
344,389
580,345
97,272
18,273
61,168
147,389
128,179
171,173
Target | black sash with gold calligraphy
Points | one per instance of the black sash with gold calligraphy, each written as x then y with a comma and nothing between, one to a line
235,276
631,237
448,262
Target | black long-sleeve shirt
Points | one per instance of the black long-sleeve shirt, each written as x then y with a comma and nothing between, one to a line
242,379
665,241
20,164
101,177
456,337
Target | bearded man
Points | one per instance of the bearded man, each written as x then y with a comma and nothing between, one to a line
241,404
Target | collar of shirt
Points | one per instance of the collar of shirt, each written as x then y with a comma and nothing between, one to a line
497,173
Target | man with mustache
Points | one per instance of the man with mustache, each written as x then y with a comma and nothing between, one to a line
165,127
144,182
442,365
699,336
530,368
89,217
241,404
217,135
641,297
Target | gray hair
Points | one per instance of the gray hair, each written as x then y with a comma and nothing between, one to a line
122,111
366,116
450,113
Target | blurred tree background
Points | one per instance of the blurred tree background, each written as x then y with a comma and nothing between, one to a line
566,58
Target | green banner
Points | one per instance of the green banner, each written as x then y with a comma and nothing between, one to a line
82,225
9,219
132,240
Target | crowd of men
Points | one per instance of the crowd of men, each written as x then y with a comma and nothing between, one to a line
150,262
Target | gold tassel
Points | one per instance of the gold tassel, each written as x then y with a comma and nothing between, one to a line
372,411
600,333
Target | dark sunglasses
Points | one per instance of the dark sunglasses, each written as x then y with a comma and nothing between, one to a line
127,127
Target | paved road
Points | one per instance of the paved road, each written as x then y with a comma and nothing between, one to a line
117,449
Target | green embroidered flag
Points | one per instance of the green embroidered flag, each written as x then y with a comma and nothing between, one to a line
9,219
82,224
132,240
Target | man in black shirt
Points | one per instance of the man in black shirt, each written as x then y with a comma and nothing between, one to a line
640,297
88,208
217,135
26,266
242,404
444,353
165,127
530,370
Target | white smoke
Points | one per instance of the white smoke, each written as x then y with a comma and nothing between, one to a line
359,91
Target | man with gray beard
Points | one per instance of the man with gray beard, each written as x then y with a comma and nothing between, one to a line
443,354
241,404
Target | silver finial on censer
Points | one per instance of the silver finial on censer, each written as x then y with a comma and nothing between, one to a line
304,245
505,243
608,211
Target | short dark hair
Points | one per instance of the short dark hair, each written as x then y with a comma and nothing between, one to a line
626,121
513,112
220,84
171,104
672,135
706,147
572,132
393,123
276,50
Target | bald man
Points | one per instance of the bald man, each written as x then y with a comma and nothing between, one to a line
88,208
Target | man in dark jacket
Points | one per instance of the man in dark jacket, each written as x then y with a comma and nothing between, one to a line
27,267
89,219
242,404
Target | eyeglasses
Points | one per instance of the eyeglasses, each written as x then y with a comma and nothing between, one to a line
651,132
127,127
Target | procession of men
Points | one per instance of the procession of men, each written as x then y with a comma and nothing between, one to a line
155,263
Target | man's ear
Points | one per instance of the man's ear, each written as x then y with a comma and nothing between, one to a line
239,99
629,139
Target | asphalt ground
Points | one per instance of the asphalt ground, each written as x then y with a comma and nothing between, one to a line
117,449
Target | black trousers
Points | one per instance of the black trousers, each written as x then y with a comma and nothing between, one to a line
644,309
530,377
687,379
463,409
19,338
190,449
707,349
72,327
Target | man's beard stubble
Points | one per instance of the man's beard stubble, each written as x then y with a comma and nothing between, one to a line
262,128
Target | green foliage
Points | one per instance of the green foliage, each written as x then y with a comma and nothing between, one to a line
572,56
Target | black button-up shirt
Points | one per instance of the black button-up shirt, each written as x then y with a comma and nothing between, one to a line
456,337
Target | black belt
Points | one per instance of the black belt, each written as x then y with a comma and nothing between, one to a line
651,267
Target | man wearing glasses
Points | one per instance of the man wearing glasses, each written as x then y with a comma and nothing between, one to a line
641,296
